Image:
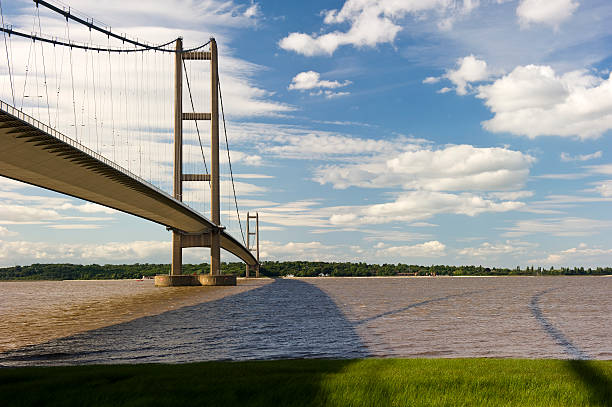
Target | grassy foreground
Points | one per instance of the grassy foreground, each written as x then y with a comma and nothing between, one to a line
368,382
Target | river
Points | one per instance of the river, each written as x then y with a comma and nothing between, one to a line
126,321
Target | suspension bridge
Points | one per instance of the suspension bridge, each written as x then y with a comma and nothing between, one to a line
105,123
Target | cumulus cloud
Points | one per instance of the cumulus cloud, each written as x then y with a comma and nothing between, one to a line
534,101
548,12
432,248
566,157
582,255
451,168
312,80
469,69
26,252
372,22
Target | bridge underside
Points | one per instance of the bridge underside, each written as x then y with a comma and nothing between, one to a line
32,152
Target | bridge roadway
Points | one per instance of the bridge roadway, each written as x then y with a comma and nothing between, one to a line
34,153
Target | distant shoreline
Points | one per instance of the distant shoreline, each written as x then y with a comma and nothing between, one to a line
314,277
53,272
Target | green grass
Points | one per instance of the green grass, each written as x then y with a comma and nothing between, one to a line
367,382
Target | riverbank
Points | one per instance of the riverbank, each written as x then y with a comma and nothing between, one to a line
360,382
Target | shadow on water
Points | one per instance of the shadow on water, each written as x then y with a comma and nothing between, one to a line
284,319
571,349
415,305
599,384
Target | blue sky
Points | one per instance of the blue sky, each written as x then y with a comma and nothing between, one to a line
422,132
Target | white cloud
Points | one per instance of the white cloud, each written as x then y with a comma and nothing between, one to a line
452,168
557,204
604,188
311,251
312,80
252,11
512,195
69,226
569,226
418,205
580,157
329,94
391,235
88,207
7,184
4,232
534,101
254,176
372,22
291,214
428,249
431,79
469,70
549,12
301,143
22,208
25,214
26,252
600,169
567,176
493,250
582,256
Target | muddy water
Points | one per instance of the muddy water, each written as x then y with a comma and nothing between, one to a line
47,323
34,312
519,317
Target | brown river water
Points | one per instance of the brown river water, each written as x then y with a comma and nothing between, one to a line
126,321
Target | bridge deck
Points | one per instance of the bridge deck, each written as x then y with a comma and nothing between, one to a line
34,153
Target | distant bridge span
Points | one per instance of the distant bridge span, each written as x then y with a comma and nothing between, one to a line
34,153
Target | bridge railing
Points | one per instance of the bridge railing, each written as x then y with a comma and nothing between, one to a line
54,133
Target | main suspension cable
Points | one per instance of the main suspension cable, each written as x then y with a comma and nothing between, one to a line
229,160
73,44
109,33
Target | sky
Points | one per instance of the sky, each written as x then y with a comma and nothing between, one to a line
416,131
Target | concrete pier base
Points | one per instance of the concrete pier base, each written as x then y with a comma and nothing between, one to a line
207,279
165,280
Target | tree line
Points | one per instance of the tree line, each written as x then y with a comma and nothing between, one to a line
278,269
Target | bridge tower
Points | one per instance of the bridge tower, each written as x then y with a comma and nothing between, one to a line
248,242
211,239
